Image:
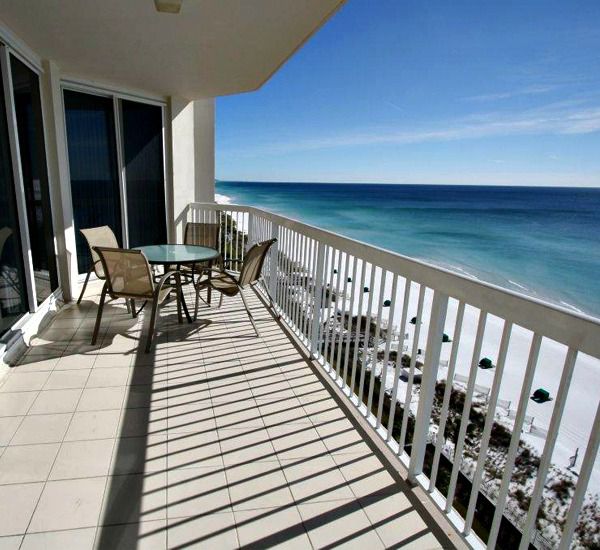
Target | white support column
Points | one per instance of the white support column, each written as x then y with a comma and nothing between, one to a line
59,179
193,156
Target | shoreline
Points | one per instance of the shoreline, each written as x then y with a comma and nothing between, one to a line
506,283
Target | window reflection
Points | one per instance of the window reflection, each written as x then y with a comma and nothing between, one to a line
35,177
13,295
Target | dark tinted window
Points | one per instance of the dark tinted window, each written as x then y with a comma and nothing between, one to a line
13,294
144,173
93,167
35,177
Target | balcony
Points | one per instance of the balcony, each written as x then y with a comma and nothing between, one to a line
217,439
337,426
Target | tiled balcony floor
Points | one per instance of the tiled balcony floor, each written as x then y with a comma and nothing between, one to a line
216,439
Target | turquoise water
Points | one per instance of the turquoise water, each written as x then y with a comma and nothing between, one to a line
544,242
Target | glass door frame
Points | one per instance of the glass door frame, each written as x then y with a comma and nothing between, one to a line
116,97
11,117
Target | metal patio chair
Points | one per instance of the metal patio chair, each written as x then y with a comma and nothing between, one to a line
228,283
200,234
129,276
97,236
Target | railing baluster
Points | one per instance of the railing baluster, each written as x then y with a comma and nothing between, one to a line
435,332
361,293
411,372
323,309
317,298
515,439
306,275
367,333
399,354
341,323
375,351
274,263
559,407
335,300
237,233
327,324
447,393
591,452
285,269
305,292
386,353
466,410
349,323
299,267
487,429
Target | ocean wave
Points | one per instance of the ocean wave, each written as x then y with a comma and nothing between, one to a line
459,270
522,287
222,199
570,306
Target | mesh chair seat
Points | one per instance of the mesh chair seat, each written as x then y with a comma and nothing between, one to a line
200,234
128,275
230,285
97,236
224,283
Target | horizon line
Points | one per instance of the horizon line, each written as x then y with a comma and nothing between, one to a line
217,180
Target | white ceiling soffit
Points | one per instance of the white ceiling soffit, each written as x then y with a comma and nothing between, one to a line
210,48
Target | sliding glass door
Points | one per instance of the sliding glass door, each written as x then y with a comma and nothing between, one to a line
13,287
32,151
124,189
95,187
144,173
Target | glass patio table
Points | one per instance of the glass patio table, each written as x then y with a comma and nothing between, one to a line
178,255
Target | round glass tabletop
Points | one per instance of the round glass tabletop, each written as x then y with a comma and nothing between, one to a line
177,253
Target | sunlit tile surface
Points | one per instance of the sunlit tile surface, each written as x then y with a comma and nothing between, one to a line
216,439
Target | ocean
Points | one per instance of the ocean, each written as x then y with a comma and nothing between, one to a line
542,241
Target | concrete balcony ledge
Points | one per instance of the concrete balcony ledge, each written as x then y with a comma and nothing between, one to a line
216,439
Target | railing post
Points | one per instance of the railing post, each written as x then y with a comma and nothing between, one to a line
430,370
251,238
274,261
317,299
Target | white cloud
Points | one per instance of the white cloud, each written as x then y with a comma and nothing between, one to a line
529,90
560,118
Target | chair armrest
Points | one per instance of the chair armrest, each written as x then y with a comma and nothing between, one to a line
164,278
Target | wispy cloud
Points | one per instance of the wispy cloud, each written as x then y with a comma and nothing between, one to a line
560,118
529,90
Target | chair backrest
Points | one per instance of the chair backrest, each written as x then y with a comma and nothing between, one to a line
253,262
99,236
202,234
127,272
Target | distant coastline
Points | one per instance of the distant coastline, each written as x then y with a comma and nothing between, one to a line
541,241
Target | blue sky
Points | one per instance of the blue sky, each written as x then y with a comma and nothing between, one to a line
479,92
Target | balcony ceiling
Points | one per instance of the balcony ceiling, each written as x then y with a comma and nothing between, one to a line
211,48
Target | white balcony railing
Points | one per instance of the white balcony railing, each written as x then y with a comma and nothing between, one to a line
377,322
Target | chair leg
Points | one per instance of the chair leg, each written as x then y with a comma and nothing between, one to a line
128,306
197,303
248,312
151,326
87,278
179,297
221,300
99,315
131,308
271,302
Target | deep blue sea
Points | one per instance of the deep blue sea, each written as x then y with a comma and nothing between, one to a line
544,242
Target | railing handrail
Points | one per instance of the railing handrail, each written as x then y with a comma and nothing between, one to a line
573,329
